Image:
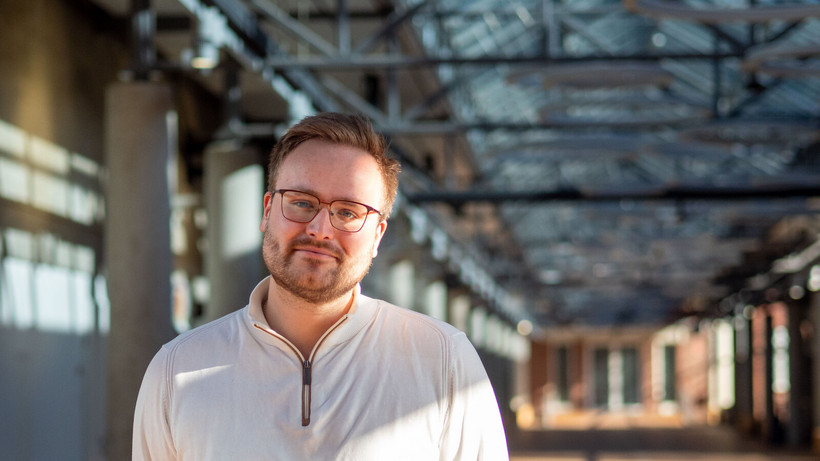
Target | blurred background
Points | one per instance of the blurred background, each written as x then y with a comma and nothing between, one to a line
616,200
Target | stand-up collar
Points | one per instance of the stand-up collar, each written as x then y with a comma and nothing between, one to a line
360,314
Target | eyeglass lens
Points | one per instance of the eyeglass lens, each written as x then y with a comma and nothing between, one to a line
302,207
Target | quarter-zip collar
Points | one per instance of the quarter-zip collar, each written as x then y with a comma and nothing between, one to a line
357,316
307,364
360,314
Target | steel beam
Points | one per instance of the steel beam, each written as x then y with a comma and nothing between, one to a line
143,29
378,14
343,27
249,44
388,61
672,193
294,27
393,22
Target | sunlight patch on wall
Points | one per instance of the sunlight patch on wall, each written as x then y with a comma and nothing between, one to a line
46,282
241,205
48,285
48,177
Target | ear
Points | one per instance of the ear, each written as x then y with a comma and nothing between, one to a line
381,228
268,202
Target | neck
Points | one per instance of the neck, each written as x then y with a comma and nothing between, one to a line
300,321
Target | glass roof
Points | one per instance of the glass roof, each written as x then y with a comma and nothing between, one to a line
630,153
626,102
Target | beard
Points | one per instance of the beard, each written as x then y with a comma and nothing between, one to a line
310,280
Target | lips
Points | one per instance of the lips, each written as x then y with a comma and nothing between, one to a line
317,251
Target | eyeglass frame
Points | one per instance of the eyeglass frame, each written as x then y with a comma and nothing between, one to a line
330,214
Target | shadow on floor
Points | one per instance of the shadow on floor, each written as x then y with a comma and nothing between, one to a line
648,444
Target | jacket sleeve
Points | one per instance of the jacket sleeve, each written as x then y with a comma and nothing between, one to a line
473,429
152,438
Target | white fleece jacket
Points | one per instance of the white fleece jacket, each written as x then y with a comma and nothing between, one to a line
383,383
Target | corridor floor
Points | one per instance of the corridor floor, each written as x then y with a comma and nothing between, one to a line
710,443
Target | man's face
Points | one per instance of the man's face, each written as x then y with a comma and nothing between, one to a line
314,260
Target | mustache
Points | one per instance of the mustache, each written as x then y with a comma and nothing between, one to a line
308,242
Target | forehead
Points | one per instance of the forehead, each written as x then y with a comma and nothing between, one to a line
332,171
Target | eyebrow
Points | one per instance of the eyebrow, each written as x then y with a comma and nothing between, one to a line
310,191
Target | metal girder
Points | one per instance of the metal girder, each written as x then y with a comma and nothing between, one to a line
434,127
406,127
393,22
353,100
673,193
294,27
422,107
465,13
249,45
143,29
733,42
583,30
244,21
302,32
343,27
392,61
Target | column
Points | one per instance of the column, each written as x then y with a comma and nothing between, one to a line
234,189
743,411
770,423
539,378
402,284
814,313
138,257
435,300
799,428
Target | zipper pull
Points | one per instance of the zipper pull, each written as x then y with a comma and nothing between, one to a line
306,377
306,393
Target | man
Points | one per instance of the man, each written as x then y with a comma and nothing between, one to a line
311,368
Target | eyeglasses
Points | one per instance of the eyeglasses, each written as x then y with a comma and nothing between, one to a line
346,216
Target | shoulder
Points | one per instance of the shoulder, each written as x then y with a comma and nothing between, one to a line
407,318
207,340
405,326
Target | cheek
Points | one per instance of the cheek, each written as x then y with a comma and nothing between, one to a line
364,248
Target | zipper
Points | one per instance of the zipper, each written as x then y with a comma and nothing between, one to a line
305,393
307,364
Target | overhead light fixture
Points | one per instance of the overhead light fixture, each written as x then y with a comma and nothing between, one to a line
209,34
206,55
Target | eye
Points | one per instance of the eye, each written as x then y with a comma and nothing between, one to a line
347,211
346,214
301,204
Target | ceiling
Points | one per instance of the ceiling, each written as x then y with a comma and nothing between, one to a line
618,162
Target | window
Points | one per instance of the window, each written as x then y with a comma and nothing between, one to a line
601,376
669,387
562,372
631,375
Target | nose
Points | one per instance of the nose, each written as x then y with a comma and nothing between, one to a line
319,227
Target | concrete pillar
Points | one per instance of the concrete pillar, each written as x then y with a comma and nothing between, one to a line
402,284
459,312
435,300
814,315
234,188
138,257
770,423
799,428
539,376
744,398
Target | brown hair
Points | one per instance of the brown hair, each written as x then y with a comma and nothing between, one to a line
349,130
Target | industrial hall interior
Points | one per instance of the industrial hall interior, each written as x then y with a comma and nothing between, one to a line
618,201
